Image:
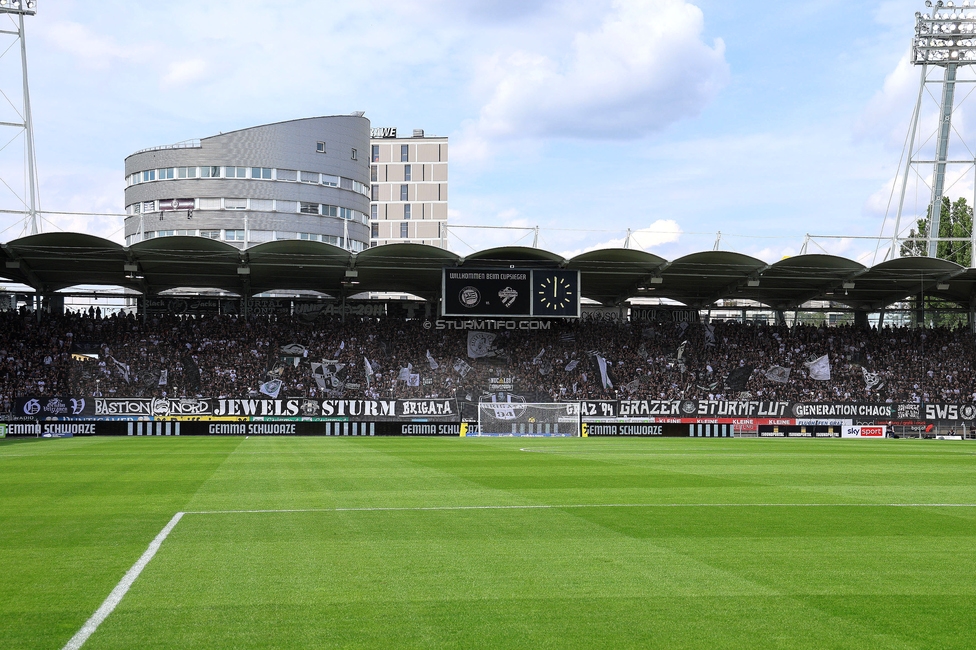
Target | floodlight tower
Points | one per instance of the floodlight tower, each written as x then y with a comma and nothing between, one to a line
19,9
945,37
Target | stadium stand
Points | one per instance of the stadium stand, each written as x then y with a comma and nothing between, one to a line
393,358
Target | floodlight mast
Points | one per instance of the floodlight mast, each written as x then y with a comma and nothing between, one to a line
21,8
944,37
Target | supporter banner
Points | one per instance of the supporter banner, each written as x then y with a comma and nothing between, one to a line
664,315
312,310
194,306
950,412
599,409
863,432
137,407
269,306
661,411
882,411
702,408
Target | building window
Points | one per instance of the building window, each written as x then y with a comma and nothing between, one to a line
235,172
404,230
186,172
149,175
166,173
346,213
310,177
403,192
374,193
148,206
308,208
165,233
320,147
210,172
374,230
234,235
375,153
235,204
309,236
209,204
287,175
354,155
331,181
374,211
329,211
262,205
149,235
407,173
372,173
210,234
404,153
407,211
261,172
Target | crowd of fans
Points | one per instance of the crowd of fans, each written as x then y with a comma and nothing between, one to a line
229,356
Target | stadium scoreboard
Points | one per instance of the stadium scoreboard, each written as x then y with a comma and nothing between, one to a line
510,293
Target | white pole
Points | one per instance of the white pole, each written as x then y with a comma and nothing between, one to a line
29,127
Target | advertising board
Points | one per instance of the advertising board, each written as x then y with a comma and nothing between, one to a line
875,432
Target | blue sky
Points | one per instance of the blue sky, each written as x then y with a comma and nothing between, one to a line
762,121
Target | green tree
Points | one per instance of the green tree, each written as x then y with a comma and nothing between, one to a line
956,221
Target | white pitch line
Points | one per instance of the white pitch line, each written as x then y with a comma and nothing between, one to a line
586,505
121,589
114,598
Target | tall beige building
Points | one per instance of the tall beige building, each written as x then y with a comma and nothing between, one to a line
408,188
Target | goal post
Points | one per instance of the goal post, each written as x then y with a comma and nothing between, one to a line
557,419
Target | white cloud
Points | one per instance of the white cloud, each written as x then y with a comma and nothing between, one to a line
642,68
181,73
662,231
85,46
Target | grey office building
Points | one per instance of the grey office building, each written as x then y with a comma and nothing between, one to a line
300,179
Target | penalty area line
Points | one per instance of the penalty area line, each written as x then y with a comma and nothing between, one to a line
114,598
580,505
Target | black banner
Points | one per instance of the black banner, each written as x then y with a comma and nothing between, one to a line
420,410
664,315
69,407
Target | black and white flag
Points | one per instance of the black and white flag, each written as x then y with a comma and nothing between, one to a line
872,380
433,362
571,366
604,377
778,374
737,379
271,388
294,350
329,375
122,368
479,344
461,367
819,368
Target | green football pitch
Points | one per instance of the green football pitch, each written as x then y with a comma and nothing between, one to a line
531,543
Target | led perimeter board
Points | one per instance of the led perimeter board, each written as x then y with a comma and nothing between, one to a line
510,293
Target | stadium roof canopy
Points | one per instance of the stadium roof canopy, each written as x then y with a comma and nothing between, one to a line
52,262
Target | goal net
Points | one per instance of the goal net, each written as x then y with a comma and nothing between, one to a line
523,419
